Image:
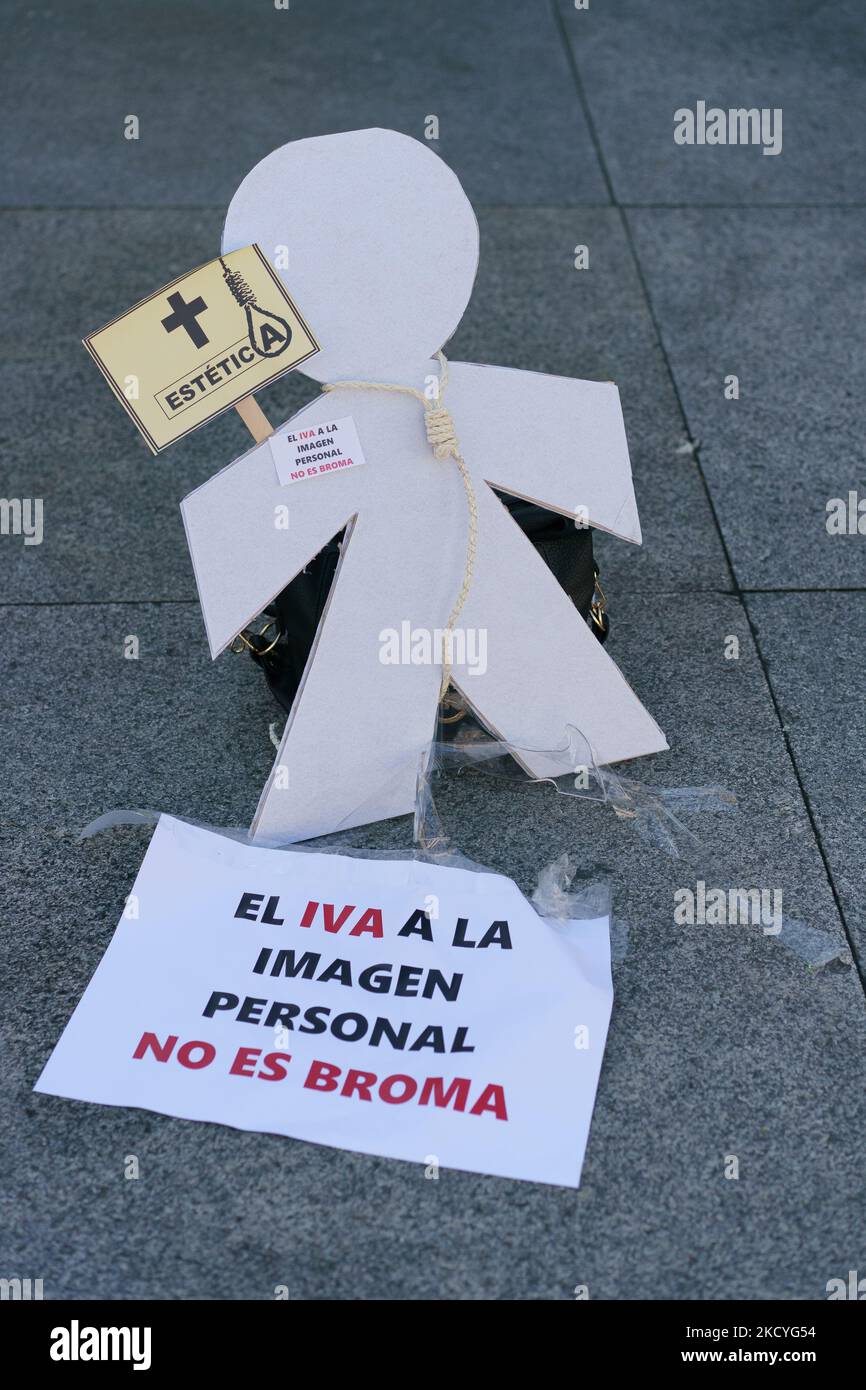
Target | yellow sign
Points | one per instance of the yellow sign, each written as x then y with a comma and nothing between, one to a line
193,349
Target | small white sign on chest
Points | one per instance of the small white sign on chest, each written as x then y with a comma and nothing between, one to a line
316,451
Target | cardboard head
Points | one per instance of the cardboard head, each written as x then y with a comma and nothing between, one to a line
381,244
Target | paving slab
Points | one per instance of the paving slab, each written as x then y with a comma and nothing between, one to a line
724,1044
640,63
217,84
112,528
765,295
90,729
813,645
702,1064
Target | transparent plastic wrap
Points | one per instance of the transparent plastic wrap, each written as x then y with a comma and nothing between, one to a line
651,810
566,889
559,894
653,813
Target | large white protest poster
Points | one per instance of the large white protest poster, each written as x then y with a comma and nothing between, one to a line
392,1007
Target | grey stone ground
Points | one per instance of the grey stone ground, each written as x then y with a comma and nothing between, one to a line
703,262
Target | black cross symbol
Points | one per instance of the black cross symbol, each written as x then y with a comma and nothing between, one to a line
184,316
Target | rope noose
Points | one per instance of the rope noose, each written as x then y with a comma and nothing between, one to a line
442,439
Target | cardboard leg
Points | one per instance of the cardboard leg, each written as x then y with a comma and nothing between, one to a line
348,762
544,668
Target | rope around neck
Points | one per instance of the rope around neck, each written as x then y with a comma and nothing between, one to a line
443,441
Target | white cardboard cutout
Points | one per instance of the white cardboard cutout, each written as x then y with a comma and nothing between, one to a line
382,247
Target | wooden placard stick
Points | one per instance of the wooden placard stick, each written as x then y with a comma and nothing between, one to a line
254,418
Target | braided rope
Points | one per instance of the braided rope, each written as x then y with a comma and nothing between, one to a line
442,438
238,285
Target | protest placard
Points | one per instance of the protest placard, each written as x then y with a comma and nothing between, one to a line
201,344
394,1007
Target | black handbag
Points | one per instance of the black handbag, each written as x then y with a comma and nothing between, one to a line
282,645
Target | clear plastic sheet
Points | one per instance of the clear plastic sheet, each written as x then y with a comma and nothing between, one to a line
813,947
653,814
651,810
566,890
558,896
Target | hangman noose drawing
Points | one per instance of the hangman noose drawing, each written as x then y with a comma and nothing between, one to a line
247,300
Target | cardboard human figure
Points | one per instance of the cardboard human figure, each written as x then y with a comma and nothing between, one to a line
380,248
